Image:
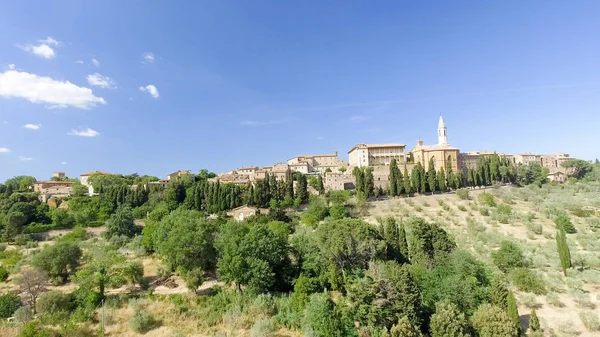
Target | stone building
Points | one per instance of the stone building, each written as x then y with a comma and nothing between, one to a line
339,181
442,153
376,154
317,163
554,162
527,158
49,189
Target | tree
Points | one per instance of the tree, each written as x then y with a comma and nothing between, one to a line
254,256
174,194
430,244
33,284
512,310
563,221
534,322
509,256
404,328
58,260
320,186
369,189
9,303
62,219
563,249
432,177
302,189
321,318
441,183
406,182
491,321
359,178
395,179
121,223
448,321
416,178
577,168
499,293
403,244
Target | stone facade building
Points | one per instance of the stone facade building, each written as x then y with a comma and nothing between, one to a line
442,153
376,154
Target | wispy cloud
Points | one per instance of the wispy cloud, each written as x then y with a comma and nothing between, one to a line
148,58
4,150
11,66
357,119
22,158
63,163
319,137
151,89
39,89
79,62
259,123
32,126
95,62
100,81
43,48
87,132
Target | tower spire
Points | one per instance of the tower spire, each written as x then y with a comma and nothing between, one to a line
442,132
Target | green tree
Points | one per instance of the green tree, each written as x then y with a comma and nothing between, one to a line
448,321
563,221
59,260
302,189
321,318
320,186
432,177
121,223
174,194
577,168
416,178
430,244
509,256
441,183
534,322
394,178
62,219
404,328
359,178
406,182
499,293
563,249
9,303
512,310
369,183
491,321
392,239
403,244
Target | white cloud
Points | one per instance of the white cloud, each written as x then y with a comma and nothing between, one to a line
95,62
79,62
32,126
151,90
259,123
63,163
148,58
100,81
11,66
21,158
42,49
87,132
38,89
4,150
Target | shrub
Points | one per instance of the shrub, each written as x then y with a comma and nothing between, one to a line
440,202
54,302
487,199
580,212
3,274
22,239
23,315
582,299
484,211
590,320
9,303
463,194
142,321
338,211
262,327
509,256
562,220
446,208
526,280
462,208
321,318
529,300
535,228
491,321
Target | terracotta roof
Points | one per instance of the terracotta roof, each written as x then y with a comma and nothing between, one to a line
316,155
52,182
95,172
375,146
433,147
248,168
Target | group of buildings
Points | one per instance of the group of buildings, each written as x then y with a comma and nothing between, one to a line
337,173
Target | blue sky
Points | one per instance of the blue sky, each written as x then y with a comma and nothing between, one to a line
256,82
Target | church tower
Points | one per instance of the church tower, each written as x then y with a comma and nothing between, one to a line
442,132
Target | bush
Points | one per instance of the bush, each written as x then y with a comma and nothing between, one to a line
554,300
462,208
582,299
590,320
142,321
9,303
509,256
54,302
22,239
484,211
492,321
535,228
463,194
487,199
23,315
338,211
526,280
562,220
3,274
262,327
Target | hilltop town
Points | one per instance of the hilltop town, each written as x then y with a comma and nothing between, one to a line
337,174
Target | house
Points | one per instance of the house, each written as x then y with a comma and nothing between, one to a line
49,189
83,179
177,174
557,177
317,163
242,212
159,183
339,181
527,158
376,154
58,175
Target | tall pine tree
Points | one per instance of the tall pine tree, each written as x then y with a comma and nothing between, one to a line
393,178
563,249
406,182
512,310
431,177
442,180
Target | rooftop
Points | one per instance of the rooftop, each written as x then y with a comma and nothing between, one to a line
52,182
95,172
375,146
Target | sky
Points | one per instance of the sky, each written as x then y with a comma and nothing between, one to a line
152,87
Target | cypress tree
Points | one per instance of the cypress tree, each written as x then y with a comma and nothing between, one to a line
393,178
406,181
442,180
423,178
321,187
563,249
512,310
399,182
392,239
470,181
359,179
302,188
431,177
403,245
449,175
499,294
369,182
416,179
534,322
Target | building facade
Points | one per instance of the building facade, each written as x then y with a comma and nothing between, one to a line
362,155
442,154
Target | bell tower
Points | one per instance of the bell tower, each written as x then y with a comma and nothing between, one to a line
442,132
